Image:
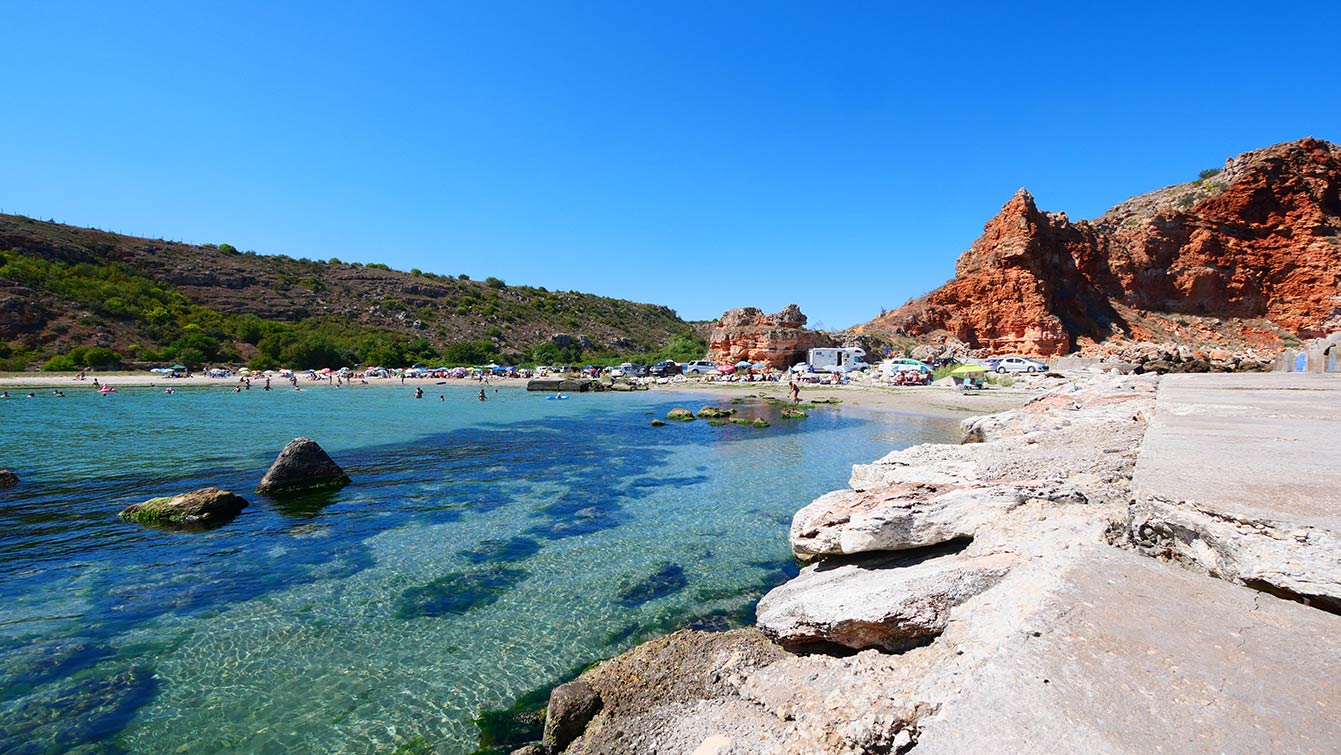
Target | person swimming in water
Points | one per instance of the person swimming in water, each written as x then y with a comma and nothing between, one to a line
418,392
481,394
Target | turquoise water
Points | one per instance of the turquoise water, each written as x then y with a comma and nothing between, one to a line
484,549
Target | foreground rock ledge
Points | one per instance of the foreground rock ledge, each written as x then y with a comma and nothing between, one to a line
1070,639
302,465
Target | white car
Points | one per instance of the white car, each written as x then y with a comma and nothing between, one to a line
1018,364
699,367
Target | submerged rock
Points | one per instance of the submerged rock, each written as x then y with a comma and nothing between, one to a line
658,423
200,506
680,415
713,412
302,465
8,479
667,579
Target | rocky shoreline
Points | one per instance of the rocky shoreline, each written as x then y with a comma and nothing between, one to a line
1017,592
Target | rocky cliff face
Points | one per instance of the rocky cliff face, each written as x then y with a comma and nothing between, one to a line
1250,256
778,340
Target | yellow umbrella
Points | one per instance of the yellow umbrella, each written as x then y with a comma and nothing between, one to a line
967,369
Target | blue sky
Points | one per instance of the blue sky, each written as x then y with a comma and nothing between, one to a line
701,155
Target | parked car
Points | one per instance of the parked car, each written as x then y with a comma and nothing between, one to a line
665,369
699,367
1016,364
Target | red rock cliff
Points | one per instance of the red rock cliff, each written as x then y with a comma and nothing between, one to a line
1249,255
778,340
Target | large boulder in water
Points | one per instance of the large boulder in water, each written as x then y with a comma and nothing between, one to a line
302,465
198,507
8,479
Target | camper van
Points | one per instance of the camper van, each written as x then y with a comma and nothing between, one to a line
836,360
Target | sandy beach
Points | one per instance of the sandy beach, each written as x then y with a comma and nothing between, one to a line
933,401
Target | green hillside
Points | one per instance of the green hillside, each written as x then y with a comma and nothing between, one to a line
73,297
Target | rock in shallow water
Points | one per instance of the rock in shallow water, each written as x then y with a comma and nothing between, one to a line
8,479
302,465
200,506
571,708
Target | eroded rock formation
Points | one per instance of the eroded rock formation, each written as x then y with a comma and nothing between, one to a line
779,340
1245,258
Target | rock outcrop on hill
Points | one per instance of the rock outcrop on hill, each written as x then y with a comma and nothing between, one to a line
779,340
1036,620
1247,257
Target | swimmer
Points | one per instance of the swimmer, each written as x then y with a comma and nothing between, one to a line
481,394
169,391
418,392
31,395
441,397
4,394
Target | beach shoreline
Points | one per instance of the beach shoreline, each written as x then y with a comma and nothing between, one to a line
928,401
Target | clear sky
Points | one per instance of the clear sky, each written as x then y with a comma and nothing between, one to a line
701,155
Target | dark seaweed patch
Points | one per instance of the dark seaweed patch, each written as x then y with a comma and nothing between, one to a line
94,709
503,730
457,593
512,549
668,621
669,578
30,667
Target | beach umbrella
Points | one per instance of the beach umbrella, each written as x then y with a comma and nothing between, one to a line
178,367
726,369
744,363
759,366
967,369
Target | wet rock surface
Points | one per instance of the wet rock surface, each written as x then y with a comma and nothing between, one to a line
8,479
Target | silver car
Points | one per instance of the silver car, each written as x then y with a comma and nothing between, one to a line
1019,364
699,367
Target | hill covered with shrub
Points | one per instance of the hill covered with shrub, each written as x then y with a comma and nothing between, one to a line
73,297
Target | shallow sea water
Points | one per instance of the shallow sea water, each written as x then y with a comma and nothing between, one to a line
484,550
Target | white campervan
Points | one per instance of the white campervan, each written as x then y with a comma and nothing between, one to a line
836,360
